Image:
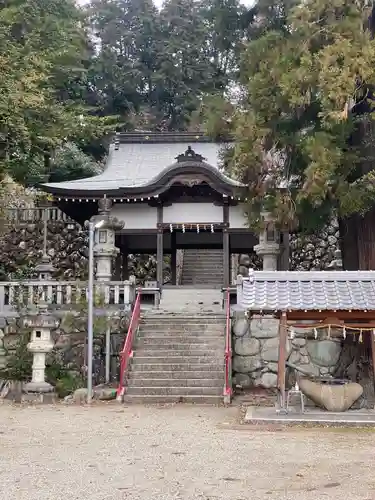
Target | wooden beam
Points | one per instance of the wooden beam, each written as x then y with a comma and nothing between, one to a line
283,335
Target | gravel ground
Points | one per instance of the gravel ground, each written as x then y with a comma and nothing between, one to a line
108,452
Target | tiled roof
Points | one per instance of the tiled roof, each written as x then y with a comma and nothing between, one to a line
310,290
134,161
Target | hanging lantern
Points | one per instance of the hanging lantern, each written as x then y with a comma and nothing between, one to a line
344,332
292,334
360,336
171,228
315,333
198,228
212,228
183,228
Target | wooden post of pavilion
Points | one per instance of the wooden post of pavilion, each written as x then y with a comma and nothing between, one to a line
283,335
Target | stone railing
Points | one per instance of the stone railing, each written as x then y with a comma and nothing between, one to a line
60,294
36,214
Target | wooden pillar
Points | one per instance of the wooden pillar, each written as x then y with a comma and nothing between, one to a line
159,257
226,246
283,264
117,268
226,257
372,334
283,335
125,266
173,259
159,246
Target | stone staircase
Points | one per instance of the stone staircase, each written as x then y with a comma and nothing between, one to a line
179,351
178,358
203,267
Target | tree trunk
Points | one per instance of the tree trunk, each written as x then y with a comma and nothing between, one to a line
358,242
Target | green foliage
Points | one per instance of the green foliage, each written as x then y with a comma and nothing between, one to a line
20,361
62,379
306,66
70,163
44,50
153,68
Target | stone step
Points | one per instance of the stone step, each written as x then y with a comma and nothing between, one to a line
212,265
173,382
174,391
190,344
167,366
208,359
198,319
184,352
160,338
177,375
169,399
181,327
177,343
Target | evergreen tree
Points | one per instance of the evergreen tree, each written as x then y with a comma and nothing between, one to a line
307,69
43,48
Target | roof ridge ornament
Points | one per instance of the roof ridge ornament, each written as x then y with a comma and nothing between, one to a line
190,155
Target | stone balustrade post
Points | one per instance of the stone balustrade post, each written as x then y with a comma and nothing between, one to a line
268,247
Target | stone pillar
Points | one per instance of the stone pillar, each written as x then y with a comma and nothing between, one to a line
40,345
104,240
269,243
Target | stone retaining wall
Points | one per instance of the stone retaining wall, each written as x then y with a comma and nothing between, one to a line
255,347
69,352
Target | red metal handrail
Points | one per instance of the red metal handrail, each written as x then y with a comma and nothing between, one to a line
127,350
228,352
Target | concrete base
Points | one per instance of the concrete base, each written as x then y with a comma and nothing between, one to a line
39,398
311,417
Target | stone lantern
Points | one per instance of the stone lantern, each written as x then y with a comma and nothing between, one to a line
104,240
40,345
269,243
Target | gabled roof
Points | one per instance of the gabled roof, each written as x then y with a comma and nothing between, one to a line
311,291
145,162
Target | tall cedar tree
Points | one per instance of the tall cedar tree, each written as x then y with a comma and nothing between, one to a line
306,78
154,68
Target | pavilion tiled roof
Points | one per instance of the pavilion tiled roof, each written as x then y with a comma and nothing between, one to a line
137,160
308,291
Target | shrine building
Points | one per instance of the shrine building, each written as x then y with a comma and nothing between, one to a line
161,192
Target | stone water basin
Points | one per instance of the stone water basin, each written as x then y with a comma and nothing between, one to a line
331,394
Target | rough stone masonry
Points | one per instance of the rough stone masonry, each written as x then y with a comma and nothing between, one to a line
255,346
